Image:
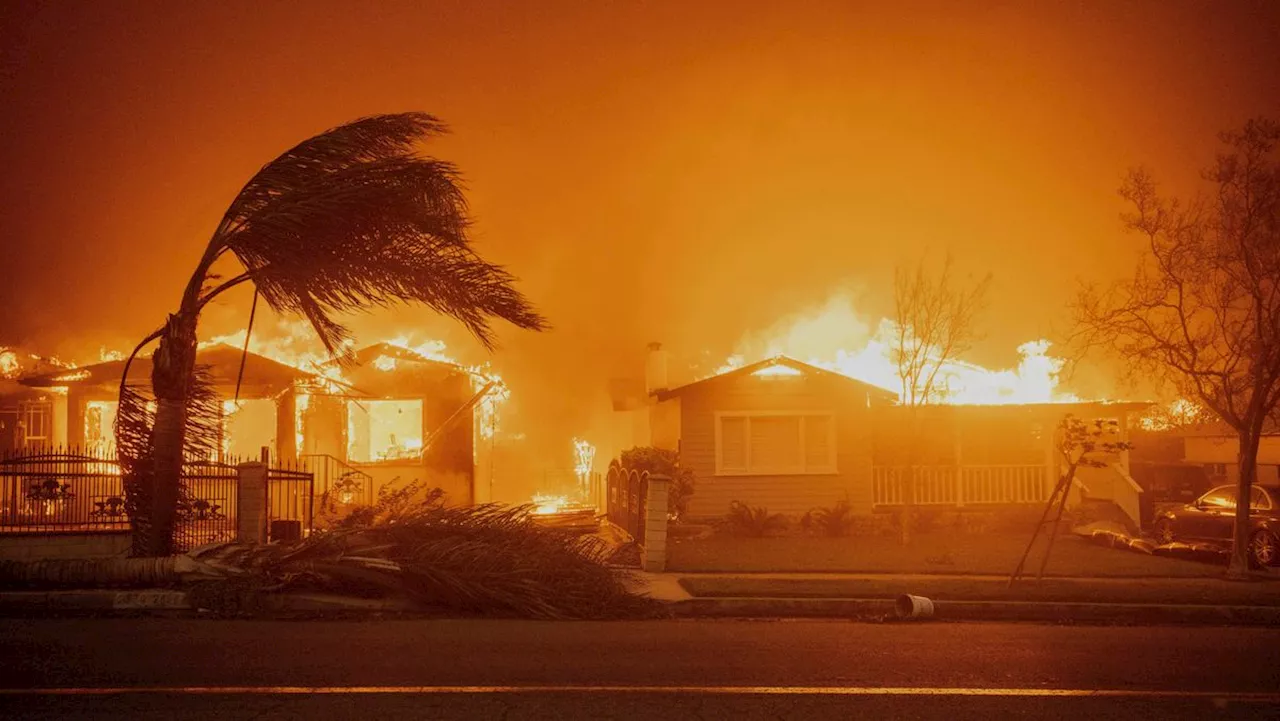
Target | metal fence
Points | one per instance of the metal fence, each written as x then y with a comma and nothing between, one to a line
59,489
69,490
290,503
628,493
207,504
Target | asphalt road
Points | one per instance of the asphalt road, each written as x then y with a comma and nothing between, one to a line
194,669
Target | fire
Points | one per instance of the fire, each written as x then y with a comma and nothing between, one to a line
836,339
584,455
1177,414
9,365
546,505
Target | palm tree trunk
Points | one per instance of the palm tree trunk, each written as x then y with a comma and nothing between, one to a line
171,378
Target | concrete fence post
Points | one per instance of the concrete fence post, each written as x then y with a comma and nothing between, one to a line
251,503
655,523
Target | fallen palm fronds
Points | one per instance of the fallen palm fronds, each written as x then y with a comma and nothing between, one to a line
488,559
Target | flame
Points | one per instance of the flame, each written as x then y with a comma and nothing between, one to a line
545,505
1179,413
584,455
835,338
9,365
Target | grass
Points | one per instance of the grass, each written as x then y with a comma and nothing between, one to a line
961,588
935,553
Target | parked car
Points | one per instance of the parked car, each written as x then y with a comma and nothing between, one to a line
1211,518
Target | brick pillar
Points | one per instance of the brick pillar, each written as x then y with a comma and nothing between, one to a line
655,524
251,503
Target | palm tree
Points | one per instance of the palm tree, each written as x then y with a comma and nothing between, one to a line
350,219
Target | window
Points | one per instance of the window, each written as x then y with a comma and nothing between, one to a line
1220,497
36,421
1259,500
775,443
384,430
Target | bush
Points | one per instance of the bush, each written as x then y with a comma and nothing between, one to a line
753,522
665,462
833,521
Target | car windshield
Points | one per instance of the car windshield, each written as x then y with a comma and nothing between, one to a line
1259,500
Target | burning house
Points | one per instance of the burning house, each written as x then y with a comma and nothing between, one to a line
792,436
393,415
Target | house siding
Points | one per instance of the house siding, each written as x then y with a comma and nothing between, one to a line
786,494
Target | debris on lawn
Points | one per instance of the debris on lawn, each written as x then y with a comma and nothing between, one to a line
1113,536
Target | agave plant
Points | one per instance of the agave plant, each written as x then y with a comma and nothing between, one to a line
753,521
350,219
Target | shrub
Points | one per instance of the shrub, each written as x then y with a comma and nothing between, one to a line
753,522
666,462
833,521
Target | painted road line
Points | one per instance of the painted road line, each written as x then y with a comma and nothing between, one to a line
1266,697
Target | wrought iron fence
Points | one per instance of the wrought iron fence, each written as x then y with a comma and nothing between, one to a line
60,489
207,503
70,490
290,502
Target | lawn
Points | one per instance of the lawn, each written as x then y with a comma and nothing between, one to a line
935,553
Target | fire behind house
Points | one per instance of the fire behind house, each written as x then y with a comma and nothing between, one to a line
393,414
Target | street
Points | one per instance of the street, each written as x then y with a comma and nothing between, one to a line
198,669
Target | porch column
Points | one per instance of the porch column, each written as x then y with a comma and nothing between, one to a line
75,419
1124,438
287,426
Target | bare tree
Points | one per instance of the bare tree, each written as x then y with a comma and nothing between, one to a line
935,325
1201,313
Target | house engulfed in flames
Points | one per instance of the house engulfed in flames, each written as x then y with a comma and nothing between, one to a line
394,414
792,436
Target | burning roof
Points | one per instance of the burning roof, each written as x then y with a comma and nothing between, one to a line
778,366
222,360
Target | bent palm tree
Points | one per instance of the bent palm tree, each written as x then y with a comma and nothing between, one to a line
350,219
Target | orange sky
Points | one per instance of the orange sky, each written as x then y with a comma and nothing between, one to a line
685,172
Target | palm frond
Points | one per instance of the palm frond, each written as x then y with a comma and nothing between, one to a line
353,218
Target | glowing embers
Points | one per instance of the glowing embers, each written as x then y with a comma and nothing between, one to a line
384,430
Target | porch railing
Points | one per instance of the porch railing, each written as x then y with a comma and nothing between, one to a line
962,485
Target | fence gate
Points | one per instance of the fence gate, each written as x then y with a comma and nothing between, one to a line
290,503
628,497
206,505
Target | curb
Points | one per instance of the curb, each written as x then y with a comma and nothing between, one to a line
96,600
1042,611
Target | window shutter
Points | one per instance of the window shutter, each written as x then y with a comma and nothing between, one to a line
733,443
818,451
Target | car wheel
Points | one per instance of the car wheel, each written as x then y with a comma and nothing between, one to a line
1163,531
1263,549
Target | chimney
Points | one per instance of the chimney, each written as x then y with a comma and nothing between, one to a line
655,370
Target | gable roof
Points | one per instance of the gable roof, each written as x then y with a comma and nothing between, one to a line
223,361
777,362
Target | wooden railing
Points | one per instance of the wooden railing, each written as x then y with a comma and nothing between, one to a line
962,485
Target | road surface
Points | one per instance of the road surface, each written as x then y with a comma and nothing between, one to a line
445,669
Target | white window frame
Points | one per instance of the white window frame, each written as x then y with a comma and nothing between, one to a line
801,470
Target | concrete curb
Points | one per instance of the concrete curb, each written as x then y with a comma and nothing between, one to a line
94,600
1042,611
161,600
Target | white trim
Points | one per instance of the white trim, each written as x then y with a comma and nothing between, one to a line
800,470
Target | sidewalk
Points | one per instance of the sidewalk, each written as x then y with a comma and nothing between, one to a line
977,597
